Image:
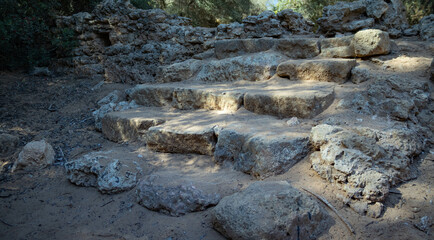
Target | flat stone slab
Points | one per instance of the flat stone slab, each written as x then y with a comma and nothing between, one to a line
261,147
277,97
302,100
326,70
130,125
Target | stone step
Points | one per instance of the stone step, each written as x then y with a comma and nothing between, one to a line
295,48
258,145
328,70
277,97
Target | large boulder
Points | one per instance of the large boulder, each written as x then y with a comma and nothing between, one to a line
371,42
364,162
99,169
35,154
270,210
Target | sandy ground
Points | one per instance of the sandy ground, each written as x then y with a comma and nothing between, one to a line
42,204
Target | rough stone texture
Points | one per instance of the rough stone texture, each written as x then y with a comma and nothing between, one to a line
266,24
186,97
183,135
126,44
371,42
304,100
339,47
396,97
175,198
252,67
432,70
353,16
234,47
364,162
8,144
296,48
360,74
426,28
99,169
262,148
270,210
35,154
130,125
328,70
111,107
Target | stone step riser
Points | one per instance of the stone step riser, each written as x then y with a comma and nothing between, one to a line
264,103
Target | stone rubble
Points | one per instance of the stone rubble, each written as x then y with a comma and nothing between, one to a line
100,170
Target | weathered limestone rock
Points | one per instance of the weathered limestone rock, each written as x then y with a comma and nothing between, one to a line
99,169
426,28
296,48
270,210
354,16
181,136
179,71
266,24
236,47
303,100
359,75
252,67
8,144
371,42
261,148
364,162
35,154
340,47
393,96
158,192
328,70
131,125
187,97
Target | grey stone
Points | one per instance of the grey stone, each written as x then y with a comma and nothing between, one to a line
99,169
359,75
301,100
426,27
284,213
174,198
236,47
296,48
259,152
371,42
364,162
328,70
35,154
339,47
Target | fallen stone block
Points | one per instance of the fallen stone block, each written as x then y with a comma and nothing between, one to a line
371,42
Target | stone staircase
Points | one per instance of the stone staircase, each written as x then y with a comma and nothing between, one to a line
234,106
236,111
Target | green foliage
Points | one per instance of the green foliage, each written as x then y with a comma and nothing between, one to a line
417,9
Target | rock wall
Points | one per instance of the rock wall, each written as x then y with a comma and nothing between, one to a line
128,45
353,16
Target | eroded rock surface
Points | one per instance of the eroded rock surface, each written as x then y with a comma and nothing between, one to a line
158,192
327,70
99,169
426,28
354,16
364,162
270,210
371,42
35,154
